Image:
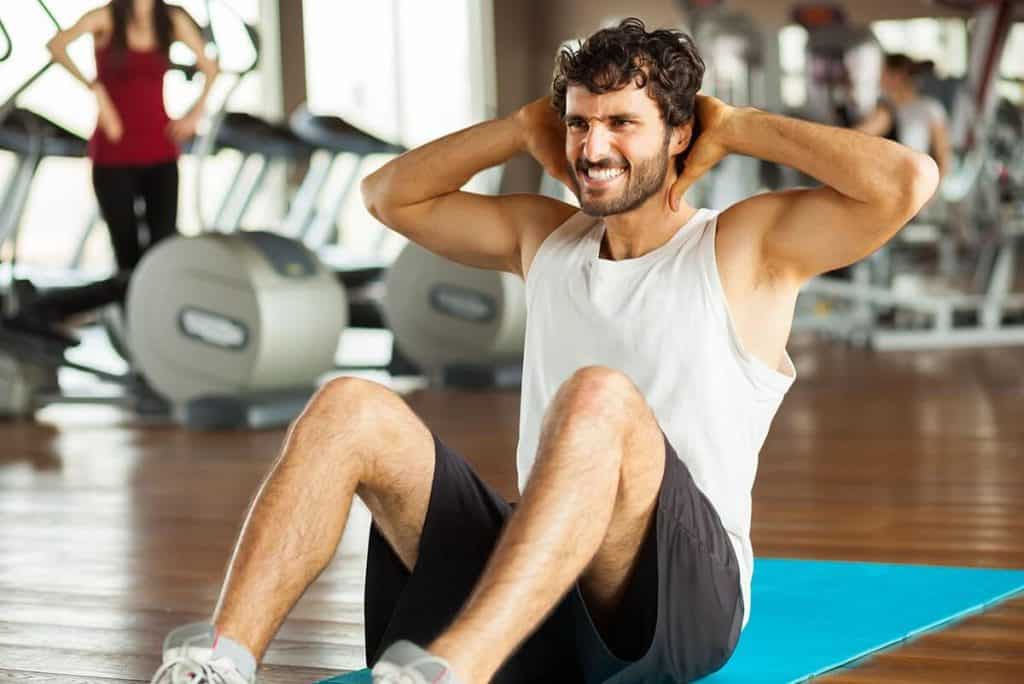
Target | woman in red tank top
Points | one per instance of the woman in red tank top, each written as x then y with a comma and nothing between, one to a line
135,146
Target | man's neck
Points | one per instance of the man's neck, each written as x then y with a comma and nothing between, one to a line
644,229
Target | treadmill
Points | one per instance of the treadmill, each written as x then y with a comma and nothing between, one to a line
261,144
318,140
31,137
362,276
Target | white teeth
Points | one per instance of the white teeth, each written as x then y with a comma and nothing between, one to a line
604,174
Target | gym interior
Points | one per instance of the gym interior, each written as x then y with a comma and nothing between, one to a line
143,403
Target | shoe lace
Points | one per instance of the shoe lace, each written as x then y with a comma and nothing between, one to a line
198,672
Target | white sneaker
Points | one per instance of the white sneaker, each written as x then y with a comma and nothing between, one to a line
188,659
406,663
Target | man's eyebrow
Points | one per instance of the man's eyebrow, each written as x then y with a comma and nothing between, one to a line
571,116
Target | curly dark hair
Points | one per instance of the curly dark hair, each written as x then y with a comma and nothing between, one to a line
665,61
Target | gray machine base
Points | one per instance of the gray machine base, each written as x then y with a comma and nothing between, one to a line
475,376
264,411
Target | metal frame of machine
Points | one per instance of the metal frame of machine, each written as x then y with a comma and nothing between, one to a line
941,314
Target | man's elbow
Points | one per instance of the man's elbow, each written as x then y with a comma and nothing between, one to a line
919,181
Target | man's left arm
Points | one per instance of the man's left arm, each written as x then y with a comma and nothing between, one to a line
871,188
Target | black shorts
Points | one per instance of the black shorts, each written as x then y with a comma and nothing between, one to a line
679,619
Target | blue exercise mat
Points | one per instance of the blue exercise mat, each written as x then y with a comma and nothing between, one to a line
810,617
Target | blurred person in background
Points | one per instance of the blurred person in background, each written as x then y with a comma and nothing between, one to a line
135,147
905,115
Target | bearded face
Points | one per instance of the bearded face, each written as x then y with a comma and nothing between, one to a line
617,149
614,186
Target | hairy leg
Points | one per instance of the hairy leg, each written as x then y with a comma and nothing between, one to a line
354,437
584,512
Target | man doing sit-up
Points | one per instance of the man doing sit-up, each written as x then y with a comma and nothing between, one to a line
655,361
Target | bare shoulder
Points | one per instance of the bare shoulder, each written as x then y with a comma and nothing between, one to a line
547,214
181,21
98,21
760,303
180,15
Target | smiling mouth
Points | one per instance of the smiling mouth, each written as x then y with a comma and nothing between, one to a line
601,176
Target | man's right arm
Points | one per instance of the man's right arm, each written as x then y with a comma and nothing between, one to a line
418,194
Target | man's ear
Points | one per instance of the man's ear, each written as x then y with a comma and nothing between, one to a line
681,137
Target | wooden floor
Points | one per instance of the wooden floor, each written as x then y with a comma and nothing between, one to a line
112,532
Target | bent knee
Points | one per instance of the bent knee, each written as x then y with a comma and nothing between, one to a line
597,397
349,397
599,390
351,407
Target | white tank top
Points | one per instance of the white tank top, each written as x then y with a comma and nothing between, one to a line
661,319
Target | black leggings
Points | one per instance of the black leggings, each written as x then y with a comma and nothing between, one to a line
117,189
